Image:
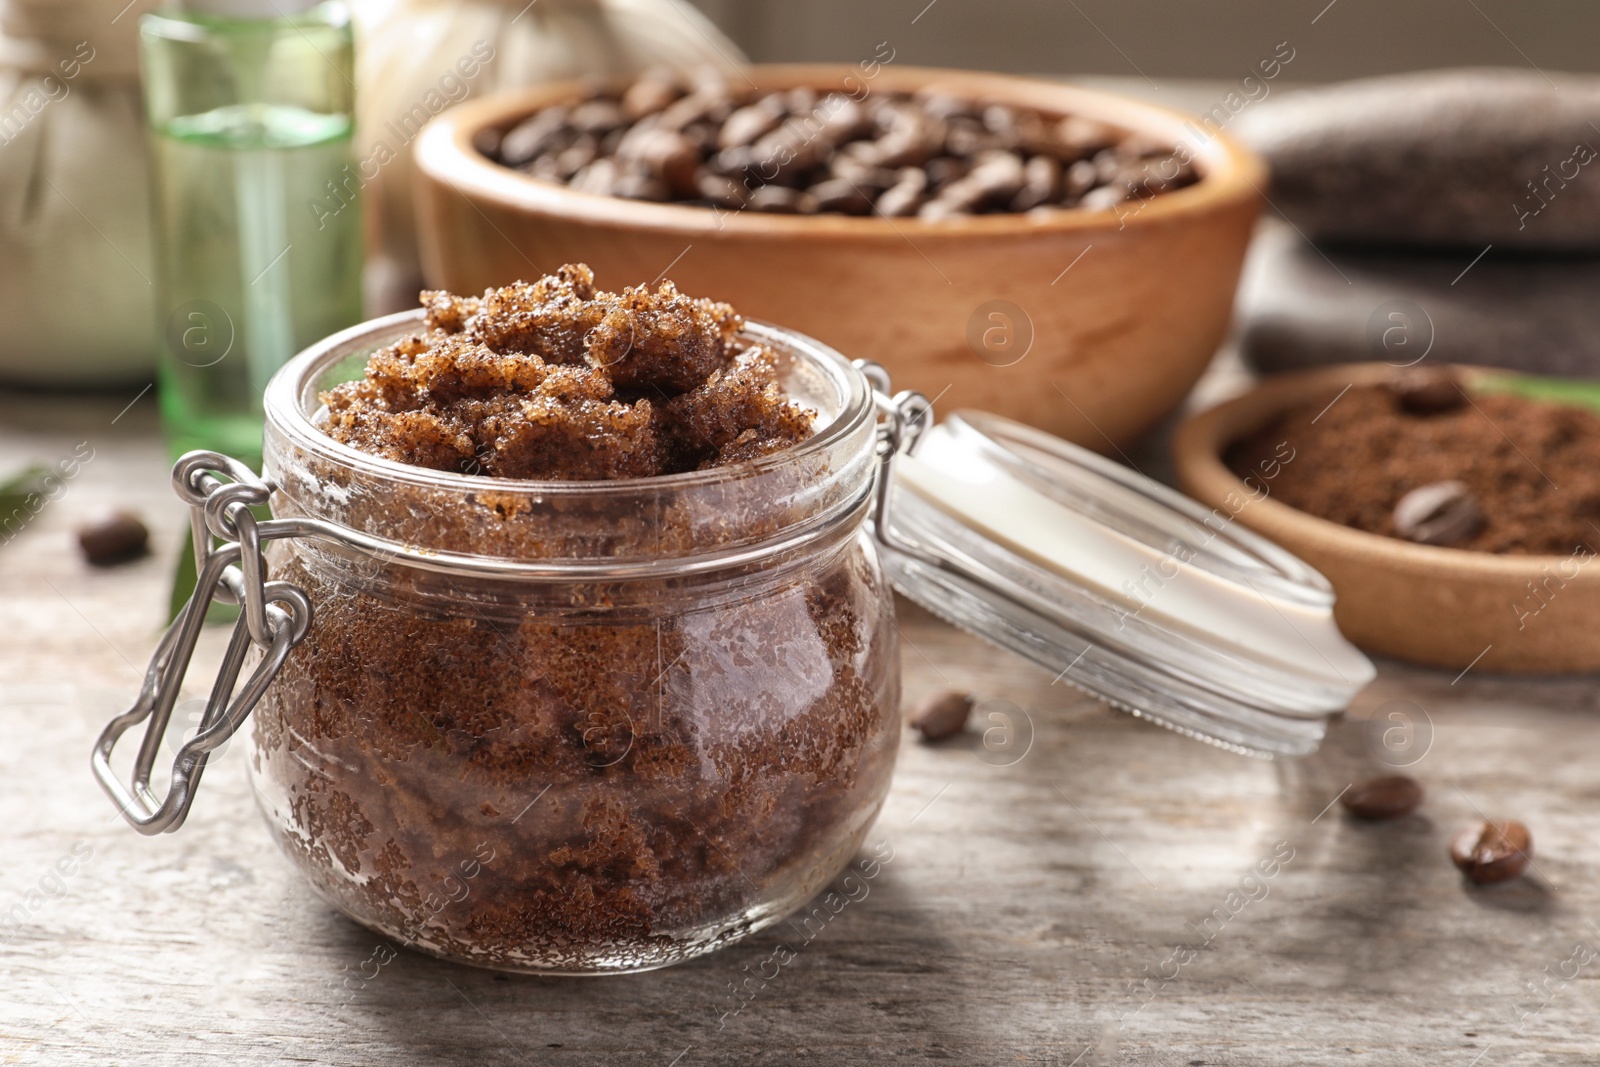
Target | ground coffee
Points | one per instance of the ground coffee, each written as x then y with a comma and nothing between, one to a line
1532,468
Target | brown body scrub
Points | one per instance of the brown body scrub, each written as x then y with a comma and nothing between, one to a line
1531,470
578,775
554,379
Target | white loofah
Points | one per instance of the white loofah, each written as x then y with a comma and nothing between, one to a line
418,53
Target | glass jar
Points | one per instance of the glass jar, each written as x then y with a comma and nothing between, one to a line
605,726
586,727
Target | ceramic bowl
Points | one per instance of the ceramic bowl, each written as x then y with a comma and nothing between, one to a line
1091,325
1440,607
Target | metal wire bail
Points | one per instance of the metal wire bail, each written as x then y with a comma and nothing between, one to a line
906,416
274,617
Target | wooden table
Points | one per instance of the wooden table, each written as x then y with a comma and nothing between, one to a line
1029,914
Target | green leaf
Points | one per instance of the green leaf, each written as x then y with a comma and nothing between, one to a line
15,491
1574,392
28,480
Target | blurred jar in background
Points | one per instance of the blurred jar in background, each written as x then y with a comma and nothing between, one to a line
74,206
418,57
251,107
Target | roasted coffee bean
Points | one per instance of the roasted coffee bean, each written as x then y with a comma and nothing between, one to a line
720,190
911,139
905,196
711,81
654,91
703,135
112,536
534,137
596,116
966,137
613,141
1493,851
843,119
943,105
1140,147
779,200
733,162
486,142
544,167
580,154
599,178
748,125
839,195
937,210
998,118
637,186
1079,179
1427,391
694,108
1000,174
862,175
1041,184
800,101
669,157
1016,130
1442,513
791,149
961,197
1084,137
1108,166
1383,798
1102,198
942,715
944,170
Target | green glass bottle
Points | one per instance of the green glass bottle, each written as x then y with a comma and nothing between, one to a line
250,105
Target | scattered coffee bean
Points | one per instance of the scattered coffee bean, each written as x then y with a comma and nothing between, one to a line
1428,391
1494,851
113,536
941,715
1443,513
1383,798
668,133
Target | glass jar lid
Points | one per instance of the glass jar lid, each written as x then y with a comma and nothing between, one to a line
1118,585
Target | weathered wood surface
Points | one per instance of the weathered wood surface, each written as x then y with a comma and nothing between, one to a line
1024,910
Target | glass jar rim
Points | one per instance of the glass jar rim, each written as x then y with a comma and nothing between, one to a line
693,522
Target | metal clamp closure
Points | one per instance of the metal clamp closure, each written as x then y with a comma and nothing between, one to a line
274,617
906,416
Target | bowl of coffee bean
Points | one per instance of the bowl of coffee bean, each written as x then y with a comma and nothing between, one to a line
1455,510
1061,256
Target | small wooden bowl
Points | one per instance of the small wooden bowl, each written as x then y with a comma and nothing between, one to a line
1440,607
996,312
